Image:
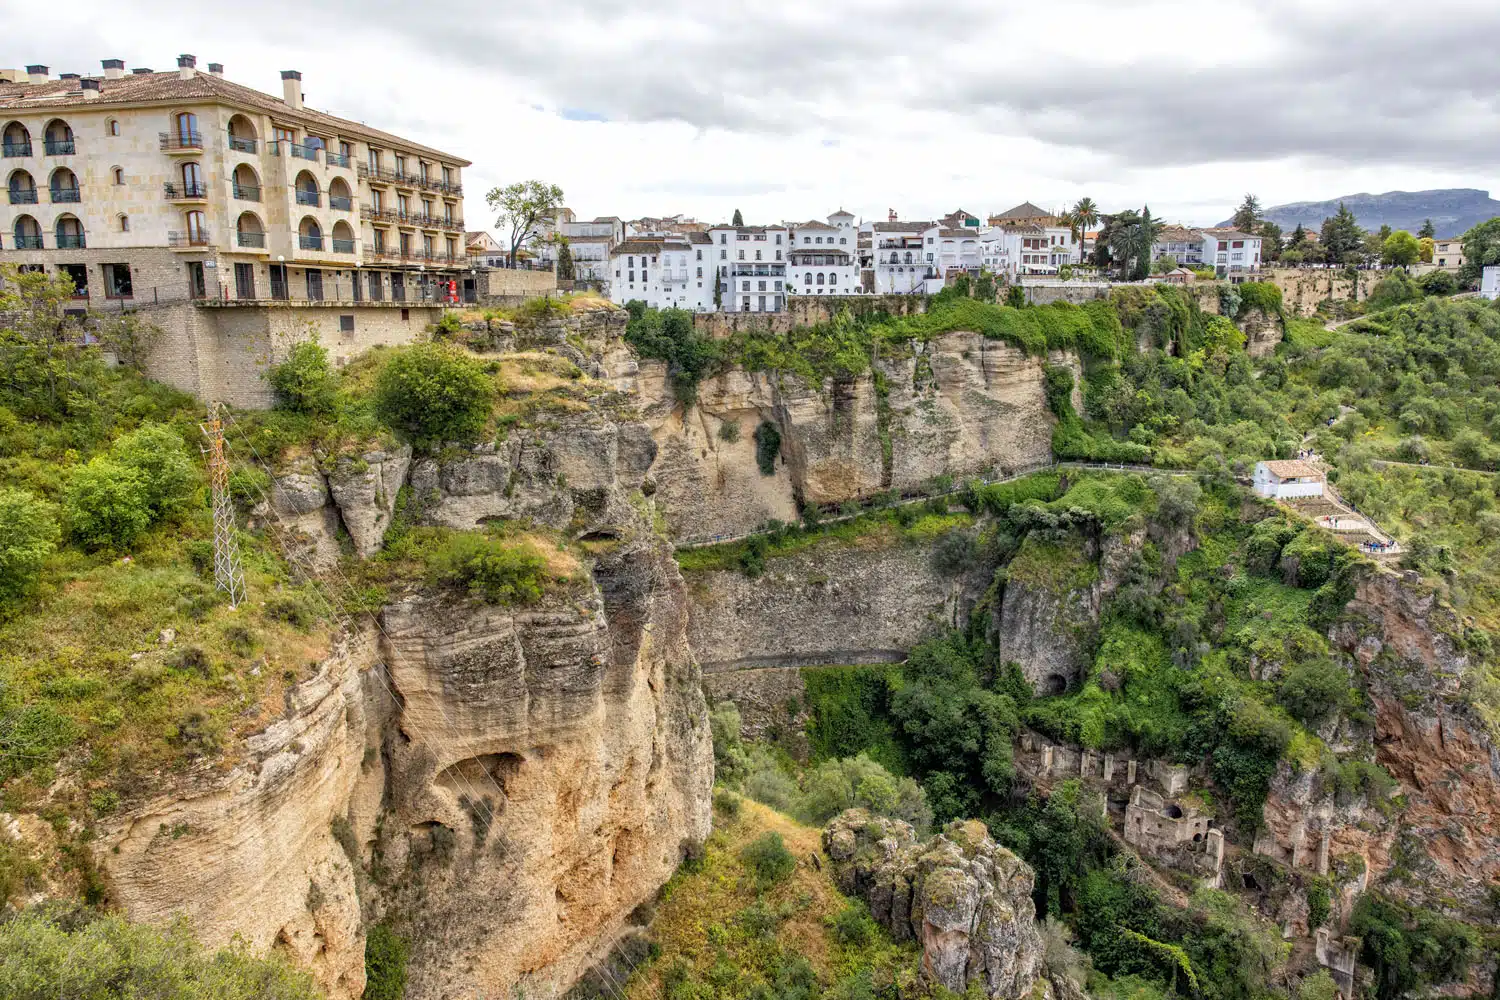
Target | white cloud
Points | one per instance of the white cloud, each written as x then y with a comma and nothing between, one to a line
788,110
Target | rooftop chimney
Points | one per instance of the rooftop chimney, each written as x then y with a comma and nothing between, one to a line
185,66
69,76
891,215
90,88
38,74
217,69
113,68
291,86
141,70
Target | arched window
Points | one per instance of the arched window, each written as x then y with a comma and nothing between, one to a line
818,240
64,186
28,234
69,233
310,234
820,277
124,223
192,181
895,257
833,279
249,232
242,134
343,238
246,185
118,175
22,188
17,141
113,126
197,228
339,197
307,189
185,124
807,278
58,138
908,258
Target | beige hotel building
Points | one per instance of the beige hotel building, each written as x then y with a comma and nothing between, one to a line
190,198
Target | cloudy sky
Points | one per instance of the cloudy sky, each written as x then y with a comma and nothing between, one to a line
788,109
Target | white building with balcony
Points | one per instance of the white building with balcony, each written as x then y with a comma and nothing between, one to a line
899,264
752,266
951,250
824,257
1225,250
672,272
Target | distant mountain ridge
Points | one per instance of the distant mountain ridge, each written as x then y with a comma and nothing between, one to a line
1452,210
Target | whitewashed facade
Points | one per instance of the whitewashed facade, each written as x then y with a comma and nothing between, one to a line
752,266
1489,283
823,259
1289,479
663,272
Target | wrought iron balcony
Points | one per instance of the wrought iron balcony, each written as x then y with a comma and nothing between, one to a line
303,151
255,240
17,148
192,238
59,147
242,145
184,192
342,246
70,241
68,195
340,204
28,243
180,141
23,196
305,197
310,242
246,192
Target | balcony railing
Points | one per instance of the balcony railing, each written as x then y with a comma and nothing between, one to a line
255,240
184,192
308,197
28,243
180,140
302,151
23,196
70,241
430,183
241,145
59,147
337,159
16,148
246,192
340,204
342,246
310,242
192,238
69,195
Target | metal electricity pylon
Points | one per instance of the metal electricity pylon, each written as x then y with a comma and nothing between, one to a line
227,571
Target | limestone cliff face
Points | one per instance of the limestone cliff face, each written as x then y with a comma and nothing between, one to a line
1262,332
965,899
959,405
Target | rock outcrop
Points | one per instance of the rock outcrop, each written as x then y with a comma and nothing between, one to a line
965,899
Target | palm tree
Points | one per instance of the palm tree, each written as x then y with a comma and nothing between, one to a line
1085,215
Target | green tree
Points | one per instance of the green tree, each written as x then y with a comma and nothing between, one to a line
385,964
28,534
565,270
1270,241
1481,249
1428,246
434,393
1085,217
156,453
1298,238
1438,283
1400,249
106,504
768,859
1341,237
738,220
1247,217
1428,230
1131,236
522,208
304,381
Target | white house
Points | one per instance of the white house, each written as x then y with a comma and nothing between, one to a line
951,250
752,266
899,251
1233,250
1285,480
672,272
1489,285
823,259
590,244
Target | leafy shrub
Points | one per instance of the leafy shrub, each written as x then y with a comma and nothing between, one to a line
304,382
767,783
58,955
670,336
28,534
853,926
107,504
1318,986
729,752
1410,948
1437,283
727,803
1057,382
767,447
157,455
729,431
493,570
33,735
385,964
1314,690
836,785
434,393
1319,902
768,859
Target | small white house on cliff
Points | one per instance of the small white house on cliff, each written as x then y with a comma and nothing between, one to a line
1290,479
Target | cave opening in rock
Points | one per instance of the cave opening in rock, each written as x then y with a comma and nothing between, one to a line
1055,684
1174,811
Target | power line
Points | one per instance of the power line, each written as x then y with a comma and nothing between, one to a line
228,574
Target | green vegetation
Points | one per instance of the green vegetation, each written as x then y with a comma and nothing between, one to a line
70,955
434,393
304,382
670,336
1408,947
768,860
494,570
28,535
385,964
